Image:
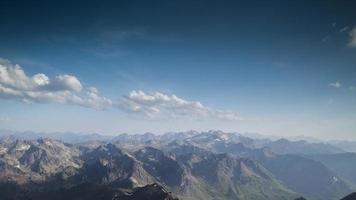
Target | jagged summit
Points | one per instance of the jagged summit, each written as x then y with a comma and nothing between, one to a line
149,192
351,196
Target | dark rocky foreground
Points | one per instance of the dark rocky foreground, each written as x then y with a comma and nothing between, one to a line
149,192
87,192
351,196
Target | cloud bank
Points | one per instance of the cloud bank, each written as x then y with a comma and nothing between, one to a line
337,84
159,105
15,84
39,88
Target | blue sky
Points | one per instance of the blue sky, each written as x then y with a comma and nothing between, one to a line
278,68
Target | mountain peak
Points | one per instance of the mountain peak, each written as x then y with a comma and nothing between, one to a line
351,196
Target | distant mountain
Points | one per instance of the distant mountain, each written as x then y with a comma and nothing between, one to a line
50,166
192,165
109,165
318,182
231,178
177,136
284,146
344,164
280,146
67,137
134,138
22,161
306,176
349,146
166,169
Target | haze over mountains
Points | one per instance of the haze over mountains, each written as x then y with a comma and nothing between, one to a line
296,144
191,165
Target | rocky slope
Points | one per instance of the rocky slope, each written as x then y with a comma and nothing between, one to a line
351,196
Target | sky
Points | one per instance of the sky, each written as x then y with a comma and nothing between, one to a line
271,67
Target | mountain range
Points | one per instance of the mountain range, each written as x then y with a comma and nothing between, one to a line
191,165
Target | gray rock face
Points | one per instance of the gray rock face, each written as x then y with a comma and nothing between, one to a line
36,160
108,164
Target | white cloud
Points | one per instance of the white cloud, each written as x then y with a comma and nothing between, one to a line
158,105
352,42
66,82
337,84
64,89
15,84
344,29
